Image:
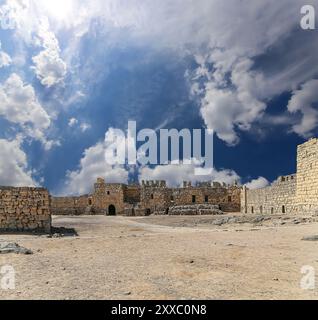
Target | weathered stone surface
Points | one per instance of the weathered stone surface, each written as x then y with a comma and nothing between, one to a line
297,193
24,209
276,199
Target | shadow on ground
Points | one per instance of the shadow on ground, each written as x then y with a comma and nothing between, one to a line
63,232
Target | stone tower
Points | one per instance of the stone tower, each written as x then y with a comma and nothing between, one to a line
100,187
307,176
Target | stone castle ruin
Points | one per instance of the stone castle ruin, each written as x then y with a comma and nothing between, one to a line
297,193
151,197
29,209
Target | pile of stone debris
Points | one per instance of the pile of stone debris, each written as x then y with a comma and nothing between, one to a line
196,209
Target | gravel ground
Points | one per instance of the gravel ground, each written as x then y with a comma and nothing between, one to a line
162,257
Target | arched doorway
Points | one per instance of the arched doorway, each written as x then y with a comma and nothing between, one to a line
111,210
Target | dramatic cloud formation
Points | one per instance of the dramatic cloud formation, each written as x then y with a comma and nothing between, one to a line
13,165
87,57
226,38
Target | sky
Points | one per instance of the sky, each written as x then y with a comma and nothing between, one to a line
73,70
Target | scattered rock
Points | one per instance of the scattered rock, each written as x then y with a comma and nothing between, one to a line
221,221
310,238
11,247
258,219
217,222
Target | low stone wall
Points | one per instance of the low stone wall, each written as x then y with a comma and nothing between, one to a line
25,209
279,198
69,211
71,206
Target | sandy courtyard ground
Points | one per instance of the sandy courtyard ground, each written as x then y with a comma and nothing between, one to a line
165,258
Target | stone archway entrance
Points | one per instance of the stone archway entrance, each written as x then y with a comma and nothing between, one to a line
111,210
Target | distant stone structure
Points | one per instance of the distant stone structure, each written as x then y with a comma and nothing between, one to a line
30,209
24,209
151,197
297,193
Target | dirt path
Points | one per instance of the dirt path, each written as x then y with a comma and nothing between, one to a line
164,258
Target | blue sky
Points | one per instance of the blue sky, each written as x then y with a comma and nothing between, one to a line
71,70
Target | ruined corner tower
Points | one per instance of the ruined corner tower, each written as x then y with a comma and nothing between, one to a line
307,176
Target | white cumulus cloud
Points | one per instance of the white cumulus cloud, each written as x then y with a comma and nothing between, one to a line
305,101
176,174
13,165
49,67
92,166
258,183
19,105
